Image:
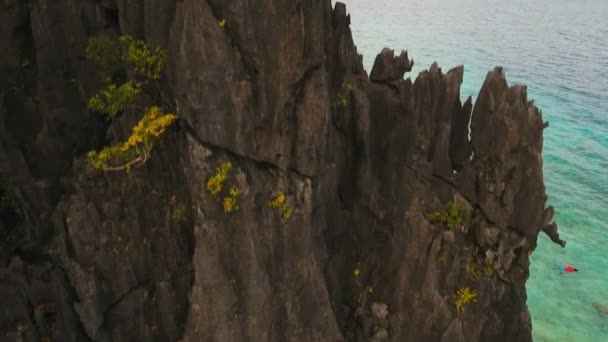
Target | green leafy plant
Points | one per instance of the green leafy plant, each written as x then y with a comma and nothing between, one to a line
179,213
114,99
463,297
136,150
287,212
343,94
362,292
111,55
222,23
488,270
475,270
441,260
106,53
216,182
231,201
280,202
215,186
144,60
454,218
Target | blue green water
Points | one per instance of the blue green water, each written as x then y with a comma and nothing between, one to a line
559,48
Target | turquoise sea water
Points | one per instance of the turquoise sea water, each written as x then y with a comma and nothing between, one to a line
559,48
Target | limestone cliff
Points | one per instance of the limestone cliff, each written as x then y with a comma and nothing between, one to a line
369,165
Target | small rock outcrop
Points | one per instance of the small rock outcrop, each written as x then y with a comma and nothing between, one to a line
388,68
367,209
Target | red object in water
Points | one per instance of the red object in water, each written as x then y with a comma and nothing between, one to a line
569,269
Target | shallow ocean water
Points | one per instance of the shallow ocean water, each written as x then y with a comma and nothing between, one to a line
559,48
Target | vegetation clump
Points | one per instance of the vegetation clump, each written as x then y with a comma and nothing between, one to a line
343,94
135,151
362,292
280,202
112,56
112,100
463,297
473,271
454,218
179,213
106,53
216,183
476,270
231,201
146,61
215,186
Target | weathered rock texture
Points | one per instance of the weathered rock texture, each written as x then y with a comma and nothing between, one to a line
281,93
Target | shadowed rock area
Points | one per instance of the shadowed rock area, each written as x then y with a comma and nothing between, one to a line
396,204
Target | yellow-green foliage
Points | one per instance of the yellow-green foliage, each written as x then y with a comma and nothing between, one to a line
441,260
222,23
434,216
287,212
136,150
215,186
280,202
488,270
454,217
463,297
144,60
105,52
216,183
114,99
473,271
111,55
345,90
179,213
231,201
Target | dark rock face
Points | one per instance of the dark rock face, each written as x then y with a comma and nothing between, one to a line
387,67
281,93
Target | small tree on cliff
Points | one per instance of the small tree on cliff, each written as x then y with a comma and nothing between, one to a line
113,57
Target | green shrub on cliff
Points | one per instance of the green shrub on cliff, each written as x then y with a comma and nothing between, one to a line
105,52
143,59
475,270
454,218
463,297
280,202
343,94
231,201
114,99
111,55
215,186
135,151
179,214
